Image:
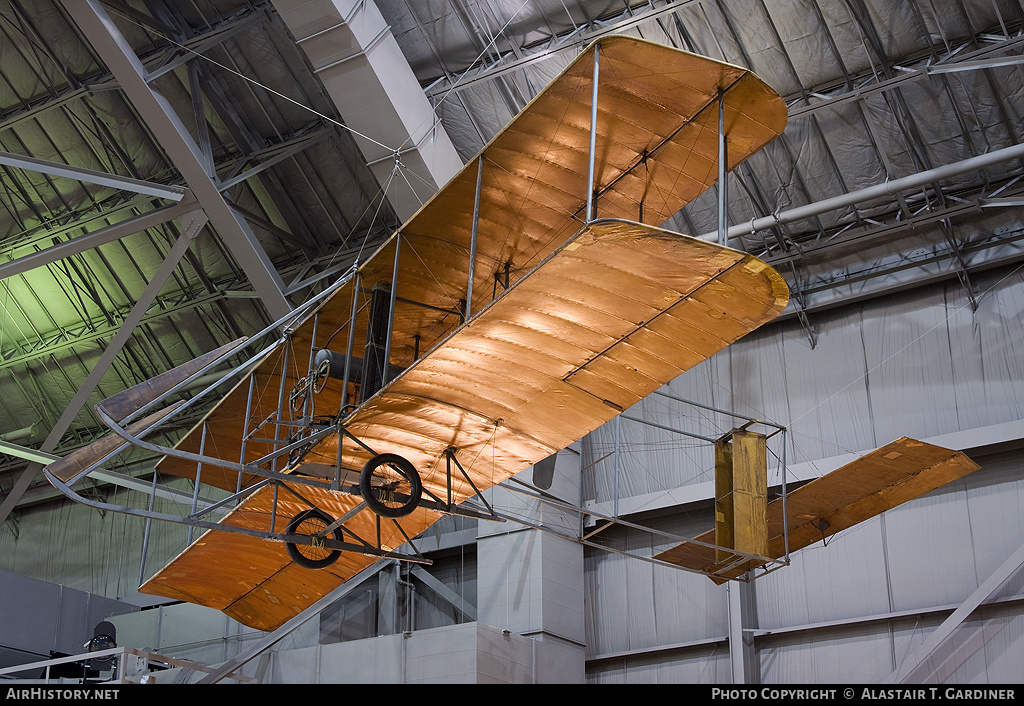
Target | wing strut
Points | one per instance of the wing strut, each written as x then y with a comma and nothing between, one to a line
593,134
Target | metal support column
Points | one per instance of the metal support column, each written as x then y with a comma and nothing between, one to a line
742,655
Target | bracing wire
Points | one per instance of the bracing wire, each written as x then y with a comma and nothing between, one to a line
251,80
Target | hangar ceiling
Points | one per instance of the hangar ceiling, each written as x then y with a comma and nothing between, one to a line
174,175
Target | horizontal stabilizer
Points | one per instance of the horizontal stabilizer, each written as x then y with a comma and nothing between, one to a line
76,462
119,406
876,482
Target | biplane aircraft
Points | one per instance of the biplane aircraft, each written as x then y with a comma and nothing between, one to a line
531,300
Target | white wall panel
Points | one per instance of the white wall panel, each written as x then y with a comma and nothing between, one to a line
920,364
852,656
195,633
461,654
995,502
607,606
1003,653
706,665
825,583
687,607
825,393
909,374
996,330
929,550
761,378
635,605
80,547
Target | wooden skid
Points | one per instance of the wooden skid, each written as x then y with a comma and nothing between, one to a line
879,481
119,406
76,462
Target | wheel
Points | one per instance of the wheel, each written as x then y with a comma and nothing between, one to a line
390,485
297,397
313,555
321,375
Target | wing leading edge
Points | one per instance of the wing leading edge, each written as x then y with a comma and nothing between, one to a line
657,133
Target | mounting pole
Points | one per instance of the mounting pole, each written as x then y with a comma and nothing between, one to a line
593,136
723,184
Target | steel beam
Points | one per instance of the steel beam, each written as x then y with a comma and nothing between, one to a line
888,188
354,53
91,176
118,342
949,625
176,141
98,237
453,598
482,72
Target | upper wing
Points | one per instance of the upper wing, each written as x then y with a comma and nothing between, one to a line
614,314
571,322
657,131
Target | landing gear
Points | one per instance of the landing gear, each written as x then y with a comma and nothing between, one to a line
390,485
313,555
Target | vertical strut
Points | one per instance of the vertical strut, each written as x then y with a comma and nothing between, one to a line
199,472
280,398
391,312
375,361
476,228
593,137
245,430
351,344
723,184
307,394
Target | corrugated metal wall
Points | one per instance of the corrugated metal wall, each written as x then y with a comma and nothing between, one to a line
921,364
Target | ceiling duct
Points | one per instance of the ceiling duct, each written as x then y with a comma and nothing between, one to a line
352,50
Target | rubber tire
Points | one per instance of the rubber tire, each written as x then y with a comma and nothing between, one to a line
295,552
406,470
